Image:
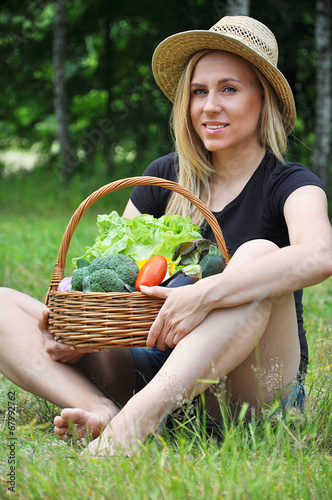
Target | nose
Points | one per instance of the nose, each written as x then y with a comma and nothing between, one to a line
212,103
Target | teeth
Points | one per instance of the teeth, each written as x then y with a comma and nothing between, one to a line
214,127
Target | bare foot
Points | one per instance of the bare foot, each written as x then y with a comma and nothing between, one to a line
125,433
74,422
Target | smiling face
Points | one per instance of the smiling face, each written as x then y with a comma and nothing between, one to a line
225,103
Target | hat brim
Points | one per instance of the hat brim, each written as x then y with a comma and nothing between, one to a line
172,55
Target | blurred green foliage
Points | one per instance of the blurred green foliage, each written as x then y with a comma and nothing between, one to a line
118,118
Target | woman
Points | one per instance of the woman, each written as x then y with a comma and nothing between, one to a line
233,110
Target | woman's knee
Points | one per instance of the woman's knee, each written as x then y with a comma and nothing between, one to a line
8,294
252,250
16,299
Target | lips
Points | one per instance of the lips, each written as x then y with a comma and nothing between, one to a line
214,127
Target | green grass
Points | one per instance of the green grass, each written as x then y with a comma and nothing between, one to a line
281,459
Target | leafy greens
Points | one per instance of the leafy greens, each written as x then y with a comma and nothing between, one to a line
140,237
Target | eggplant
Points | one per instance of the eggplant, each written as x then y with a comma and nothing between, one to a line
186,276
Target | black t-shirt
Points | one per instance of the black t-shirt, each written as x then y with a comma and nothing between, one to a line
257,212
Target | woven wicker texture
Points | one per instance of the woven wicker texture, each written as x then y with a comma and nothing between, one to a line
105,320
240,35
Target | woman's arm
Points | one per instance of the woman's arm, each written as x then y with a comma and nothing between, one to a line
307,261
130,211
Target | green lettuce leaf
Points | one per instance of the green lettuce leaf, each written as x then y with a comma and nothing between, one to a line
140,237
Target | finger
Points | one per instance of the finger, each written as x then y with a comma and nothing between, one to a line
179,335
52,346
169,340
71,360
155,330
155,291
66,353
59,347
66,357
164,341
43,321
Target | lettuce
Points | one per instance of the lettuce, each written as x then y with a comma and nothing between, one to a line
140,237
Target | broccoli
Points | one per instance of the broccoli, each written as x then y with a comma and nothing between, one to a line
81,263
98,263
106,280
124,266
77,278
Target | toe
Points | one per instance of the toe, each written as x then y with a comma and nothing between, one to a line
59,422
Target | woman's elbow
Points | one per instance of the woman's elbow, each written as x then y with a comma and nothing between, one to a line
328,269
325,261
317,265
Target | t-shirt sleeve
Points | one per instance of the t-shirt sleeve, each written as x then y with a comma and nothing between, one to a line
153,199
284,181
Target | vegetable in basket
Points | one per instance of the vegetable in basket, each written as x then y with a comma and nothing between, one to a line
141,237
124,266
153,272
116,273
65,284
123,242
213,262
191,252
77,278
106,280
186,276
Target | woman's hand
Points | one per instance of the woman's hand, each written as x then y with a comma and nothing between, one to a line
58,351
182,311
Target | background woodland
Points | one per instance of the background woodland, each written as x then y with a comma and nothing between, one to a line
78,93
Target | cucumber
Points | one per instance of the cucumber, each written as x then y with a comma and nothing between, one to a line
213,262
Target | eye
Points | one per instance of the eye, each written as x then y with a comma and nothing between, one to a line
199,92
229,89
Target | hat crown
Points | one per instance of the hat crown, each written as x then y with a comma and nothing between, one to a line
250,32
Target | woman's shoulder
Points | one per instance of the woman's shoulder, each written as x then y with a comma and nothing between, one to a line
288,168
283,178
289,174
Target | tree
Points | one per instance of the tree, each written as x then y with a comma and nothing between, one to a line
237,8
60,90
323,90
114,114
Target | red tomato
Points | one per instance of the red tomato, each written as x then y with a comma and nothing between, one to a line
153,272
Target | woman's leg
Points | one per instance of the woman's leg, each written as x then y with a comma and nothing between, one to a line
255,345
24,361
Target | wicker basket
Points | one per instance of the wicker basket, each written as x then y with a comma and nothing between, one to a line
105,320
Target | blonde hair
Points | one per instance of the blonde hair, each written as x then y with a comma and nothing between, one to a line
195,161
272,128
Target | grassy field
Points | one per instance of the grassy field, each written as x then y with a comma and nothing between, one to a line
281,459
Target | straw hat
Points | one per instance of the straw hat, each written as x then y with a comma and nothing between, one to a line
241,35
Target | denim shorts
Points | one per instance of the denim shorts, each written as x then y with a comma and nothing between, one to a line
294,399
149,361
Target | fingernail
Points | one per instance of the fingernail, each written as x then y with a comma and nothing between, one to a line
72,348
143,287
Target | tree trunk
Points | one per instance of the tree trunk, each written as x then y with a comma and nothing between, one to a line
108,154
237,8
322,153
60,91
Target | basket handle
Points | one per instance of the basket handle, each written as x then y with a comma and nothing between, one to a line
58,272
